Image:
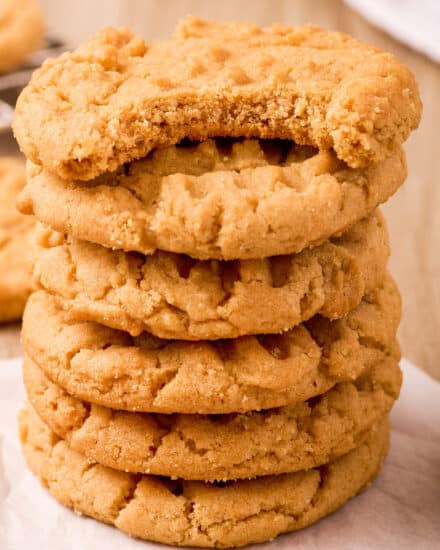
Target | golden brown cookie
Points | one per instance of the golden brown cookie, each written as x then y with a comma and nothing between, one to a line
15,242
111,368
240,200
116,98
193,513
219,447
21,31
173,296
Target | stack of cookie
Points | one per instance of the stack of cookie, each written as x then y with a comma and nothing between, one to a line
211,357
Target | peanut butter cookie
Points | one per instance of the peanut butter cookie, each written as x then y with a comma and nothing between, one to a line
173,296
16,252
116,98
253,200
144,373
219,447
21,31
197,513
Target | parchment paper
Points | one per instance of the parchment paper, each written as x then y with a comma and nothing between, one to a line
401,510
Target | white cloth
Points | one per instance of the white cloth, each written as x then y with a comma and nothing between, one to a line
401,510
413,22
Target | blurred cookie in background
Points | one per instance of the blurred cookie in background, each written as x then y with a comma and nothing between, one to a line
21,31
15,242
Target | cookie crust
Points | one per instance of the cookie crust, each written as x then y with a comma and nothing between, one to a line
116,98
110,368
197,513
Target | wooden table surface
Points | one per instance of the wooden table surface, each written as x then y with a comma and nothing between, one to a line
412,215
